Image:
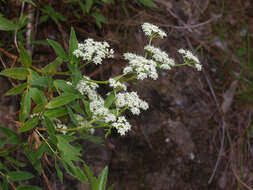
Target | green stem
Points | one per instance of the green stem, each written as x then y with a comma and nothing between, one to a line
86,126
55,153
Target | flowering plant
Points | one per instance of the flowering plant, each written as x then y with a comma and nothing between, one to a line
55,112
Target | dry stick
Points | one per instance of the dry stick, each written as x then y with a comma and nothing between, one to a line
46,179
29,27
222,117
16,31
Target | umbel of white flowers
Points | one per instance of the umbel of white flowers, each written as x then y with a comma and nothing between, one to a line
141,66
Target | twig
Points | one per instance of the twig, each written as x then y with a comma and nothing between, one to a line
46,179
16,31
29,27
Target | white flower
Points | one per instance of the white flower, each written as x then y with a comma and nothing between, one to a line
132,101
188,55
122,125
95,51
116,84
143,67
87,88
60,125
99,111
161,57
150,29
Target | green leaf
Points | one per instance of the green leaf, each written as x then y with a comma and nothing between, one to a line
59,172
94,139
25,58
29,1
79,174
111,187
5,184
72,116
17,90
76,74
75,106
61,100
15,73
19,176
49,125
148,3
40,82
102,179
53,67
54,113
7,25
68,151
88,5
12,135
58,50
38,96
62,85
73,45
99,19
28,187
92,179
30,124
87,108
109,100
15,162
38,108
25,106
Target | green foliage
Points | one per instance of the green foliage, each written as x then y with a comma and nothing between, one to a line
7,25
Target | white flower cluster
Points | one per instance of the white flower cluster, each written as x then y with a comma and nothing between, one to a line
143,67
95,51
150,29
87,88
161,57
60,125
122,125
188,55
103,113
132,101
116,84
100,111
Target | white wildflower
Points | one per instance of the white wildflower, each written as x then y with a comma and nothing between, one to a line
161,57
143,67
60,125
122,125
116,84
94,51
150,29
188,55
87,88
132,101
100,111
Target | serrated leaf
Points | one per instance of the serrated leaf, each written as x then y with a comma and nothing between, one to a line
68,151
25,58
25,106
53,67
73,45
54,113
15,73
7,25
16,90
58,50
61,100
102,179
38,96
30,124
92,179
109,100
72,116
79,174
19,175
28,187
